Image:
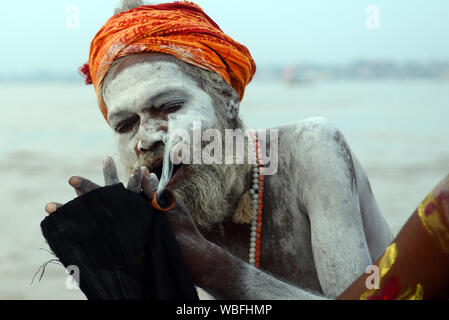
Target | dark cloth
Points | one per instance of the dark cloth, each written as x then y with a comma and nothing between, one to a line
124,249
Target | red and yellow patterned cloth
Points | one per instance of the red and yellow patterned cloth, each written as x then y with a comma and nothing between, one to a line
181,29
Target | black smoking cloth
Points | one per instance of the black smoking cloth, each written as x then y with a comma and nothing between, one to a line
123,247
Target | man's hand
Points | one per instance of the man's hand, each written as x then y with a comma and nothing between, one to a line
83,185
192,243
179,217
141,180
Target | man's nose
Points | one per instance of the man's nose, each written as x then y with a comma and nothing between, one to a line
149,138
146,143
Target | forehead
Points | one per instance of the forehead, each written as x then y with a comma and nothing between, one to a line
140,76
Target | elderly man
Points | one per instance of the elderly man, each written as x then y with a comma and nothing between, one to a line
314,225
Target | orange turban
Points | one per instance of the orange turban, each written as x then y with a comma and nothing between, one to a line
181,29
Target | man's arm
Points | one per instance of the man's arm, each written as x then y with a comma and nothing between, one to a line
217,271
330,195
227,277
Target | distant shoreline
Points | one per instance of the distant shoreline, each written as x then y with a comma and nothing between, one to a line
299,72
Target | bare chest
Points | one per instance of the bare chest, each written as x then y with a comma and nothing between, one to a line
286,249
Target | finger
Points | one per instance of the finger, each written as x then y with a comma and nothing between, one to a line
110,171
51,207
82,185
134,183
150,183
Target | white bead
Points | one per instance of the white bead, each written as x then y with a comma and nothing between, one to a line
256,169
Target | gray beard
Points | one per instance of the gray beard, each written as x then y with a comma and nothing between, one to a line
211,192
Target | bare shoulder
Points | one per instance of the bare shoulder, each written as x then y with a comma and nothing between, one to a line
325,172
314,139
308,131
315,150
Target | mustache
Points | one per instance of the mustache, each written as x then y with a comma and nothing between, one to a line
154,161
152,158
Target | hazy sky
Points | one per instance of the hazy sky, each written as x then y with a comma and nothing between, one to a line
35,34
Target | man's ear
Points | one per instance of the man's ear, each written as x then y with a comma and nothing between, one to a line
232,107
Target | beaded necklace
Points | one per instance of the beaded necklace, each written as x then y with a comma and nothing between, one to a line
256,193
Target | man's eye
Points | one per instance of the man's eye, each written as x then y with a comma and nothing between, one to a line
127,124
171,106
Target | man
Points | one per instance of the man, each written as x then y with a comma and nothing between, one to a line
159,68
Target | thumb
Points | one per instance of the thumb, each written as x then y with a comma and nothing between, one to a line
150,183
